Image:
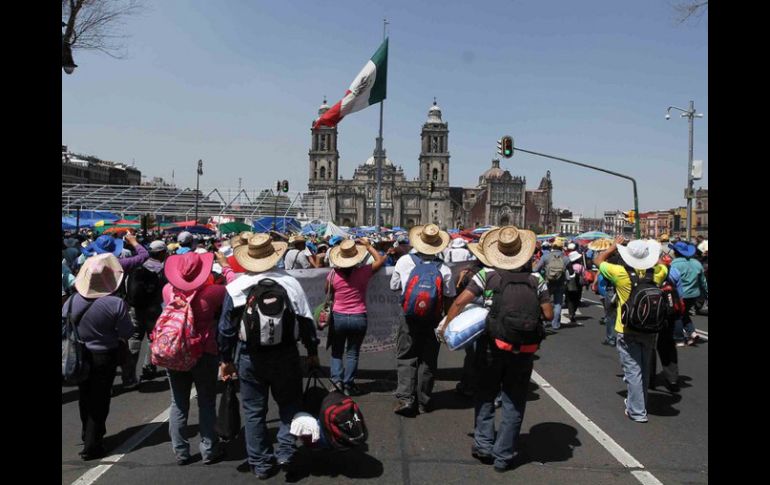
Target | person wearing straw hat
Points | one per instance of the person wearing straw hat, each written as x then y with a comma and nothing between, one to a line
548,265
348,282
299,256
635,349
103,322
416,345
500,364
188,275
694,285
267,354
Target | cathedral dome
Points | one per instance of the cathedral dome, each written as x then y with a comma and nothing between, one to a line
370,162
495,172
323,108
434,113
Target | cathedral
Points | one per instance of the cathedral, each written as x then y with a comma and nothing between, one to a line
498,199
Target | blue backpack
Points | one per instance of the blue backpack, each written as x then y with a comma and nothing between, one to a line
423,297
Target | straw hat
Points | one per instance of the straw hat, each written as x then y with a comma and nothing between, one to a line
600,244
428,239
511,248
188,271
297,239
99,276
663,238
241,239
260,254
557,244
347,254
477,248
640,254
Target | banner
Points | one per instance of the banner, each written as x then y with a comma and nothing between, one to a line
384,313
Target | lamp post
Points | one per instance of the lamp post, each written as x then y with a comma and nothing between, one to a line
689,114
197,187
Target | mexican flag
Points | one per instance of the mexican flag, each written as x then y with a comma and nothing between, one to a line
366,89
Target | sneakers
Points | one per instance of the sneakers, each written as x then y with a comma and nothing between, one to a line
424,408
183,461
484,458
352,390
673,387
216,456
264,474
625,411
96,453
680,344
690,341
403,408
150,372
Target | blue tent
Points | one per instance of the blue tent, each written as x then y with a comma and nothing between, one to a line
310,228
65,226
84,222
282,224
96,215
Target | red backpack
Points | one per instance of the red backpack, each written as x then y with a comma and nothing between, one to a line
342,421
175,343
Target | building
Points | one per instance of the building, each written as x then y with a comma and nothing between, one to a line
701,210
499,198
91,170
615,223
587,224
540,214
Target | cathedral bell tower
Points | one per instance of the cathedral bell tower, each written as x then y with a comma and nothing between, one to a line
323,155
434,167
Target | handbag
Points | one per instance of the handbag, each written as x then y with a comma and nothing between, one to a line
75,358
228,423
323,312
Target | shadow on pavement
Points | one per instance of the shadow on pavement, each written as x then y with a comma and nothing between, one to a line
330,463
546,443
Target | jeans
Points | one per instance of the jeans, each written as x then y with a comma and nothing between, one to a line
278,370
144,322
204,375
636,352
509,373
557,293
94,401
610,315
468,378
347,337
416,361
683,326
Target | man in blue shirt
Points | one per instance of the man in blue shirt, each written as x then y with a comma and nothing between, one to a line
693,285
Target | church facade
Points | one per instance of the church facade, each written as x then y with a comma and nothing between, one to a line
499,198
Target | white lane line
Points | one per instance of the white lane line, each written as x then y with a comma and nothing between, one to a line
93,474
624,457
702,335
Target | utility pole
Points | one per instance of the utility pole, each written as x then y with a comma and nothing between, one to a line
690,114
378,156
197,187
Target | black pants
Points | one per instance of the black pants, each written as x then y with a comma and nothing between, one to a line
669,358
94,403
573,301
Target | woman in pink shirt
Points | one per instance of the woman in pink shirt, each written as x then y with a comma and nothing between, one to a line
189,275
349,280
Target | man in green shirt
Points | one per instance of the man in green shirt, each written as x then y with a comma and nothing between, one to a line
635,349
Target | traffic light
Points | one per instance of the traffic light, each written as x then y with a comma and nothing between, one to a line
631,216
285,186
278,186
507,143
500,147
432,186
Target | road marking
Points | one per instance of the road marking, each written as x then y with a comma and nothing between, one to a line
702,335
93,474
624,457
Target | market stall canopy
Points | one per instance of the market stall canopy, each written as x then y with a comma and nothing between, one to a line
228,227
592,235
285,225
334,230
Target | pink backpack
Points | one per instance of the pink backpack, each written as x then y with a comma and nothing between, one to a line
175,343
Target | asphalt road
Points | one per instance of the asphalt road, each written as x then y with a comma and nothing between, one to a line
435,448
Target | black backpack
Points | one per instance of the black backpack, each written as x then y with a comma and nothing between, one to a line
515,313
268,318
342,421
144,288
647,306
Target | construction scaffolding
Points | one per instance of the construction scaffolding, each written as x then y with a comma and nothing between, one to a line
167,202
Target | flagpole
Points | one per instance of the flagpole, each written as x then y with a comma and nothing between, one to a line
378,156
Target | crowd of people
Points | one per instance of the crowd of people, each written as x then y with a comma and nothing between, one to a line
246,313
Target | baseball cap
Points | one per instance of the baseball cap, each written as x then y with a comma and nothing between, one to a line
157,247
184,237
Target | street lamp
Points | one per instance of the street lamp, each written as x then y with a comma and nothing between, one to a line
689,114
197,187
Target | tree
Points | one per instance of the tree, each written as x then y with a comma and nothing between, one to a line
95,24
690,9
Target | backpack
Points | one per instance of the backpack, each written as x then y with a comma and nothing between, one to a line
342,421
676,306
268,318
514,316
423,295
75,361
174,343
554,269
143,288
647,307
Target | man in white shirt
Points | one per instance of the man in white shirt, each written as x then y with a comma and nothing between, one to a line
457,251
416,345
299,257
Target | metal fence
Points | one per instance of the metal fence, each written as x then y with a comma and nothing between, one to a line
173,202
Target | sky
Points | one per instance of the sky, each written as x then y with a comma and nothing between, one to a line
238,83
